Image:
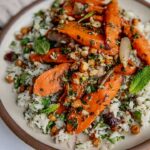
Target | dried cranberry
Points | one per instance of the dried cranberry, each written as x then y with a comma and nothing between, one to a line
10,56
110,119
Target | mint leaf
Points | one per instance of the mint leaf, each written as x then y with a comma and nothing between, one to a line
140,80
46,102
50,109
41,46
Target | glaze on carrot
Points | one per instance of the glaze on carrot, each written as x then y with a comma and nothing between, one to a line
49,82
82,35
113,23
49,58
139,42
94,104
95,8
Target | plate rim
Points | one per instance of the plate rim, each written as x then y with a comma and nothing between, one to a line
8,120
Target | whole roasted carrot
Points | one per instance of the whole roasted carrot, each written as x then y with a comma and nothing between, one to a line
82,35
49,82
139,42
53,56
94,104
113,23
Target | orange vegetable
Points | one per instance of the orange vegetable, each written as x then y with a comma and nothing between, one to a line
95,2
98,18
48,58
139,42
94,8
113,23
49,82
129,70
94,104
82,35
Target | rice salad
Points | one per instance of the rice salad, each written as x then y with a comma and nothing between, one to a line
61,71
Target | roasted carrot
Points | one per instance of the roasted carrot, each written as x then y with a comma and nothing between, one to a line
139,42
49,82
128,70
94,104
94,2
98,18
94,8
82,35
49,58
113,23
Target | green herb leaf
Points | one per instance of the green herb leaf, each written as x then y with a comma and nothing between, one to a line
137,116
21,80
49,126
90,89
46,102
87,16
41,46
50,109
140,80
25,41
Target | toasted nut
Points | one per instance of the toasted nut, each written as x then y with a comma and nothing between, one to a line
19,36
96,142
19,63
54,130
135,21
94,72
93,50
9,79
25,30
52,117
83,66
77,103
135,129
91,62
21,88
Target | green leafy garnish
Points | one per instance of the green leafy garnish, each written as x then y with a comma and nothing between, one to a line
50,109
140,80
41,46
115,139
46,102
137,116
49,126
89,89
87,16
21,80
25,41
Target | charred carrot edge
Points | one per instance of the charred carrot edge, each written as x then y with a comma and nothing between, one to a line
139,42
95,104
49,82
129,70
82,35
48,58
113,23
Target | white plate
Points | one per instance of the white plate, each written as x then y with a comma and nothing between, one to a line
8,97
